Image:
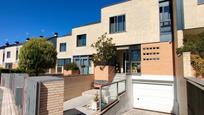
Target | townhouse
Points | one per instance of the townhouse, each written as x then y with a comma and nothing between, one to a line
143,38
142,31
146,34
189,19
9,53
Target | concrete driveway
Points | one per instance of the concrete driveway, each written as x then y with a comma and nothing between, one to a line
1,97
143,112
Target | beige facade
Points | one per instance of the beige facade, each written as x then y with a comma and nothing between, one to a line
136,27
193,14
10,56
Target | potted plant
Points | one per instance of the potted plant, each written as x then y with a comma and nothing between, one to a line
95,103
104,58
71,69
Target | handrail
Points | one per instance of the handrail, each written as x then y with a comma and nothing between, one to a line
113,83
195,81
114,96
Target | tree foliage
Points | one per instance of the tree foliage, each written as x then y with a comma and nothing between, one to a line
105,51
194,43
37,55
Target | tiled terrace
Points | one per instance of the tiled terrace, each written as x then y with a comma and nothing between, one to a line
8,106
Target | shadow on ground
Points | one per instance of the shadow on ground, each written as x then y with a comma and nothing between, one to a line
73,112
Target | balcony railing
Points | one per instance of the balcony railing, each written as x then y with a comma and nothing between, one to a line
109,93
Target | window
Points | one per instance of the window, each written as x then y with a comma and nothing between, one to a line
16,54
63,62
200,1
8,55
81,40
3,56
63,47
166,9
8,65
117,24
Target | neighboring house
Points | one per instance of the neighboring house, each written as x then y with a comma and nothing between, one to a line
190,20
9,53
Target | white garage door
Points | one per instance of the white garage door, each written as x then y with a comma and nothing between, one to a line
153,95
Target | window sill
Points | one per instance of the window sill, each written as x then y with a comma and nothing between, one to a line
117,32
80,46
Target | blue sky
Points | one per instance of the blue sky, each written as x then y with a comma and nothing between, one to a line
20,19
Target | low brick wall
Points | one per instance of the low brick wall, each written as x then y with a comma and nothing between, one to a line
74,86
51,98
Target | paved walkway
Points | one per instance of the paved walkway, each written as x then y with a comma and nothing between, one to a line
8,103
142,112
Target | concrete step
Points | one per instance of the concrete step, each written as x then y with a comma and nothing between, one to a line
92,92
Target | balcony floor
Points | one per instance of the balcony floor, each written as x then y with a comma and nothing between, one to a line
143,112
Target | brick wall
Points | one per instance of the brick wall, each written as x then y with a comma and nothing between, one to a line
157,59
74,86
51,98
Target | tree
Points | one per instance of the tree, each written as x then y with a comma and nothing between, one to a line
105,49
37,55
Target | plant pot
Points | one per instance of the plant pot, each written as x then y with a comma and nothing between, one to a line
71,72
94,105
106,73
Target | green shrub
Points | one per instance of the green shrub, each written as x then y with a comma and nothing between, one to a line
71,66
198,64
2,70
194,43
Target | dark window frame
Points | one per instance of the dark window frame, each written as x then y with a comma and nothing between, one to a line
80,42
64,61
114,24
61,47
8,54
200,2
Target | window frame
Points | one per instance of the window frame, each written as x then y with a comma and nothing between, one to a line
8,56
61,48
116,24
79,37
64,61
200,2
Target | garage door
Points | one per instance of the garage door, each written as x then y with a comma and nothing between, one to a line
153,95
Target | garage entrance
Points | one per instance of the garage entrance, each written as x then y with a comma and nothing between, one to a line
153,94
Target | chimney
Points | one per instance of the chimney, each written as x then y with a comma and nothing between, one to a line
17,42
27,39
55,34
7,44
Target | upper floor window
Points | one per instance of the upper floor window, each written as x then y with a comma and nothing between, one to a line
63,47
8,55
117,24
200,1
3,57
81,40
16,54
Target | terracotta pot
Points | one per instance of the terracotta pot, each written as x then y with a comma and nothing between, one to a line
104,73
71,72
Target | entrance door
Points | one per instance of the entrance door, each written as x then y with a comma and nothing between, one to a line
82,63
85,65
